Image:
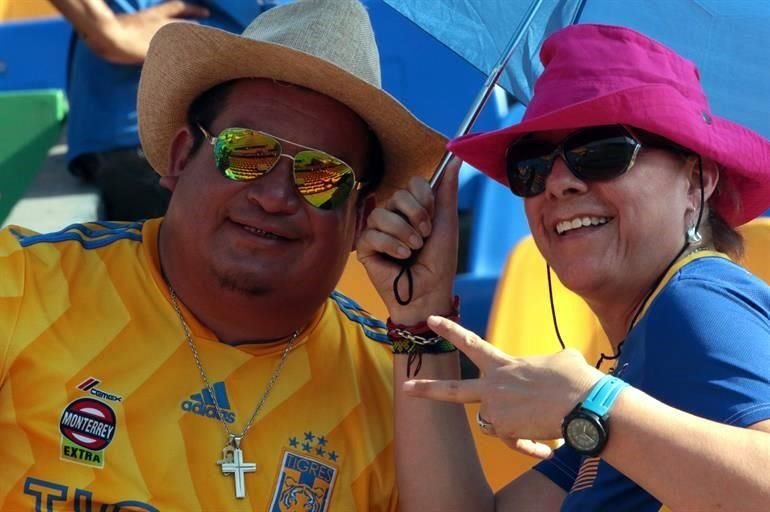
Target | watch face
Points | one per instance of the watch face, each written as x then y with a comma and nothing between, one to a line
583,434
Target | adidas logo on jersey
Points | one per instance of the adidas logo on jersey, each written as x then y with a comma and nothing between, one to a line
203,403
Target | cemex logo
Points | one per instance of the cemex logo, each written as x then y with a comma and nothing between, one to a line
89,386
203,403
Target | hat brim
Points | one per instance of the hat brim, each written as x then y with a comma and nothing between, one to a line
743,154
186,59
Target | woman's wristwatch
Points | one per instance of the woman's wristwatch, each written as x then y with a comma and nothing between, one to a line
585,429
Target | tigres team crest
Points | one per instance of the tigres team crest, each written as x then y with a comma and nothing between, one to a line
305,482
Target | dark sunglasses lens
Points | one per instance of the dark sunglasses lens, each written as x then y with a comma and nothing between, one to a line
528,166
242,154
600,154
324,181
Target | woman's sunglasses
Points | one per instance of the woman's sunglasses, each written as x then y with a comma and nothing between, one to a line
593,154
322,180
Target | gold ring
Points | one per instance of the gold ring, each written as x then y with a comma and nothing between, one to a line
485,426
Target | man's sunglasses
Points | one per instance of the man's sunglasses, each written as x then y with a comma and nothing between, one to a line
322,180
592,154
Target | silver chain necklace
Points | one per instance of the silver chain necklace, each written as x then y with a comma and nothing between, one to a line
232,456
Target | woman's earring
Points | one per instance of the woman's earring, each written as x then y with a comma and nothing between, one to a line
693,236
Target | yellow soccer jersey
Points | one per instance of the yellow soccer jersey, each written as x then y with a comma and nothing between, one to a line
101,402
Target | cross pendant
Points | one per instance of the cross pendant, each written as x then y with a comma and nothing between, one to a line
232,463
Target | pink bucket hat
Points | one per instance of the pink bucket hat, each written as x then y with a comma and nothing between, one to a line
602,75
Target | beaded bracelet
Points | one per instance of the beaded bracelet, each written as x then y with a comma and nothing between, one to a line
416,340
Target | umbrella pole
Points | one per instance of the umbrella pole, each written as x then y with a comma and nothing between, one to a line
486,90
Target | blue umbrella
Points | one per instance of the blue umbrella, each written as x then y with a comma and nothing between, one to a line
727,39
481,31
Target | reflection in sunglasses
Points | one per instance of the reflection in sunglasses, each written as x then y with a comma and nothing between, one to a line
242,154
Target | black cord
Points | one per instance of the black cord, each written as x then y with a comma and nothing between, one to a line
553,308
702,193
406,270
413,357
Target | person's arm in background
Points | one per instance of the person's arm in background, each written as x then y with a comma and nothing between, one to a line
124,38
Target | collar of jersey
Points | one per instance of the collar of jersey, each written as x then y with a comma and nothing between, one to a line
673,270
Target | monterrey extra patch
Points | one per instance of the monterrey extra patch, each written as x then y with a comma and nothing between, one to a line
87,427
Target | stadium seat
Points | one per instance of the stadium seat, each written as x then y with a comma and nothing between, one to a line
33,53
33,64
756,238
18,9
492,222
30,123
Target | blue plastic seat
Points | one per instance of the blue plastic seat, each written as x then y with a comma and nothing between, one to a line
33,64
33,54
30,123
495,224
